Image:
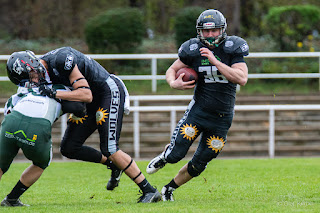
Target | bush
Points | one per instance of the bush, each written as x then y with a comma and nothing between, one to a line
118,30
185,24
292,24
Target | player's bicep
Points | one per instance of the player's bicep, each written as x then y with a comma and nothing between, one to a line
77,79
177,65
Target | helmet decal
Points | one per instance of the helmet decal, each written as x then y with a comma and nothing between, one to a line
17,68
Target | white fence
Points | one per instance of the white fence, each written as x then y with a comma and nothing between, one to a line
154,57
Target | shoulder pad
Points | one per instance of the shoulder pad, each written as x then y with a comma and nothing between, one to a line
189,50
236,45
190,45
65,60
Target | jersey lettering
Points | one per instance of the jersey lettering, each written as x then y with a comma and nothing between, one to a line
212,75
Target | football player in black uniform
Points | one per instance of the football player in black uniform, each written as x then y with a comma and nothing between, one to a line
107,100
219,61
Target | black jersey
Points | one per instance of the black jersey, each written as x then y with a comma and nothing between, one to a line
213,92
61,62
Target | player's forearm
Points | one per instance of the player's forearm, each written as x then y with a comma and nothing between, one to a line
237,74
170,75
81,94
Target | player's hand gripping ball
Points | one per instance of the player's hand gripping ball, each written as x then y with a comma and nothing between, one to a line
190,74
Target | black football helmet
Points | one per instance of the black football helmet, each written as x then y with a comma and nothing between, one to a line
20,64
211,19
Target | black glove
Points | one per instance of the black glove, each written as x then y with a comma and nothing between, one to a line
45,90
77,108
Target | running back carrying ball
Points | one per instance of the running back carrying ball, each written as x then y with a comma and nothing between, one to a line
190,74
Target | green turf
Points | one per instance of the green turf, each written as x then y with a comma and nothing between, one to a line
237,185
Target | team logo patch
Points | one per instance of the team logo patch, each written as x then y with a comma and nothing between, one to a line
193,47
244,47
215,143
68,63
189,132
101,115
74,119
228,44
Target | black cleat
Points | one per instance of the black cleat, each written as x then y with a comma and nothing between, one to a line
150,197
12,203
114,179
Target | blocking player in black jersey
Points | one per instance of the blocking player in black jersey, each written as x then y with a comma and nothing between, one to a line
219,61
107,100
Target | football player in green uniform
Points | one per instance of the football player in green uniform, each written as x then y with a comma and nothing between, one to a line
219,62
28,120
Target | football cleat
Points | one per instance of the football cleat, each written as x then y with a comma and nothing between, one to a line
150,197
114,179
156,164
166,193
12,203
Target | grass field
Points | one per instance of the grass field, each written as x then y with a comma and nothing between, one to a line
227,185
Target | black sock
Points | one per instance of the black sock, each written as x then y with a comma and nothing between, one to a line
146,187
110,165
17,191
172,184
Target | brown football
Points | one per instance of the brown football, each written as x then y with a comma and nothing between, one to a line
190,74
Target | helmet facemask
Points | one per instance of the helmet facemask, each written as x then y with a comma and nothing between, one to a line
212,42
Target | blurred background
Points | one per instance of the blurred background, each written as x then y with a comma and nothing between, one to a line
161,26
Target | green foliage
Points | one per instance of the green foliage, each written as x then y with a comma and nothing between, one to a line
292,24
185,24
227,185
159,14
119,30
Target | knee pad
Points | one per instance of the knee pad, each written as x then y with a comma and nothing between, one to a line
195,170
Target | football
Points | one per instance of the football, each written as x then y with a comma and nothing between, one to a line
190,74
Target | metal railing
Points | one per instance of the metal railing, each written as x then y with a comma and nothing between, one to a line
154,57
